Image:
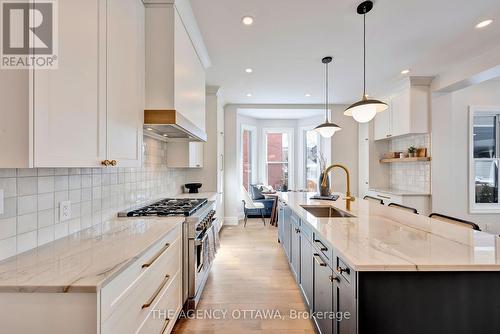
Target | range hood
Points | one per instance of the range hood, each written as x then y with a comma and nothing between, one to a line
171,124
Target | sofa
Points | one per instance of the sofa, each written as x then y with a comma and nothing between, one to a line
257,196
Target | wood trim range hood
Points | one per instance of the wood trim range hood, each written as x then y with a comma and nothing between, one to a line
172,124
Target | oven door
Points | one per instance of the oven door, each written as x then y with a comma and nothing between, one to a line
200,264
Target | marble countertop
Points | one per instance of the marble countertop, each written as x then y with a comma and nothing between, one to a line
85,261
400,192
381,238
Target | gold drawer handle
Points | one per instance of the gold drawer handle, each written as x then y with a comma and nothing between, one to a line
113,163
165,325
157,292
106,163
150,262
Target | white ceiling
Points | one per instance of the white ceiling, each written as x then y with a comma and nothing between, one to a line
285,44
280,113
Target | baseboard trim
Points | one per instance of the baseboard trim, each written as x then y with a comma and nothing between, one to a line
231,221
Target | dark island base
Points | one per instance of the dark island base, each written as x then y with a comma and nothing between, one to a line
428,302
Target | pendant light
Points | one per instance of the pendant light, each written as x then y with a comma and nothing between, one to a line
365,110
327,129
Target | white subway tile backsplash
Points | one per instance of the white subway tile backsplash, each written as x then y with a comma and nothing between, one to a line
45,184
46,201
7,172
61,230
61,183
9,186
24,172
412,176
8,228
75,182
32,197
45,218
8,247
27,223
27,186
26,204
9,207
45,235
26,241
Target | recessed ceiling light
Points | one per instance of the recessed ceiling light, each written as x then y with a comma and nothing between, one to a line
483,24
247,20
307,95
249,70
165,135
149,129
405,71
249,94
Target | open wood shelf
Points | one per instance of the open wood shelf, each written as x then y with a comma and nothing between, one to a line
405,159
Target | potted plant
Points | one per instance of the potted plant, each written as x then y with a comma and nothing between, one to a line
412,152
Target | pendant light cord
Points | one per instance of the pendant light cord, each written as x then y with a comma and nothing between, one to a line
364,56
327,120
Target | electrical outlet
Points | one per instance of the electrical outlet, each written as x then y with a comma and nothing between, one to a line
1,201
65,211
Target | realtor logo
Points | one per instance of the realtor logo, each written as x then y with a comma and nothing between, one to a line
29,34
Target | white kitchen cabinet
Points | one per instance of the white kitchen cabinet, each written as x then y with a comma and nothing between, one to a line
172,62
184,154
90,108
125,81
69,117
382,125
408,112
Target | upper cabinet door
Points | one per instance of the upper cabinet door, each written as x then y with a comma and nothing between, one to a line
382,124
69,115
189,77
401,113
125,81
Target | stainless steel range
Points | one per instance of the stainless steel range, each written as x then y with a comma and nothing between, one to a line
200,239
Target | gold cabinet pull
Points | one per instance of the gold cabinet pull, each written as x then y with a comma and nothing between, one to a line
154,258
113,163
106,162
165,325
157,292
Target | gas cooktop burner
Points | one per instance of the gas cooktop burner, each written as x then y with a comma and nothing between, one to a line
170,207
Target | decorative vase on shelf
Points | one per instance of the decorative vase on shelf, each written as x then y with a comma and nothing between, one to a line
324,191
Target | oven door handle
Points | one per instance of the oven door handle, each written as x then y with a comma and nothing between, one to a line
198,242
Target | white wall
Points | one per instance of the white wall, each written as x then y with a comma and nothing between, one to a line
450,121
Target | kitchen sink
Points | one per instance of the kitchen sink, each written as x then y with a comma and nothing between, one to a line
326,211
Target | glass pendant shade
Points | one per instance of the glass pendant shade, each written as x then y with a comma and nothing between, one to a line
327,129
365,110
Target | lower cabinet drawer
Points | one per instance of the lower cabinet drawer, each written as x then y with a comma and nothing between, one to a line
131,311
119,289
162,317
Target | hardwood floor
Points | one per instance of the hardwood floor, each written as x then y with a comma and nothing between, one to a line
250,276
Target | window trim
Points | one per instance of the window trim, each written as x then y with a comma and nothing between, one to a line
302,168
480,208
291,153
253,141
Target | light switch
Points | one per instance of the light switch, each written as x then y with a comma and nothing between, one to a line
1,201
65,211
